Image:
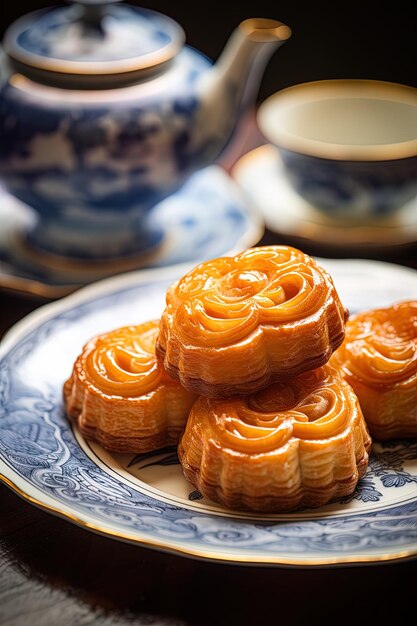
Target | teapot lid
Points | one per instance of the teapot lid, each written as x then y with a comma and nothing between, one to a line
93,37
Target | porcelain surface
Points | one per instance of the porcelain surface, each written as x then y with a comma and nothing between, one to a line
100,123
263,179
208,217
144,499
63,38
94,166
348,146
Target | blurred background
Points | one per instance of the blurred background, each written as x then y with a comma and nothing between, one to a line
356,39
365,39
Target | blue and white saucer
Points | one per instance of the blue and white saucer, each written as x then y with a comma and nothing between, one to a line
145,499
207,218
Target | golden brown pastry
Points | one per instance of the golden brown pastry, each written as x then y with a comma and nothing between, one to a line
296,444
120,395
379,360
234,324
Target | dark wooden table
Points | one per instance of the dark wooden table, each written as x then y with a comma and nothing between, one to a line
53,573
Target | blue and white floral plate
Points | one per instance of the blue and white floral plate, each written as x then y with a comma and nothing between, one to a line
207,218
144,499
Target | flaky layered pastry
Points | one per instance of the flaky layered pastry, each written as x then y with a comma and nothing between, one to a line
120,395
234,324
296,444
379,360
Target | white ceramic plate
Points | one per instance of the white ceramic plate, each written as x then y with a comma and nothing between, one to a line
144,499
261,176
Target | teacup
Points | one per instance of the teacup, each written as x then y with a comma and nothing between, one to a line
348,146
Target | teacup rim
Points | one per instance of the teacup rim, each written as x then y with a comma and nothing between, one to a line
305,146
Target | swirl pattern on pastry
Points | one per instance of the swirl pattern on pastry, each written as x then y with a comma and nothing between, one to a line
294,444
234,324
379,360
120,395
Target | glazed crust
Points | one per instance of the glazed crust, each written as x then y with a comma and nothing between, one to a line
233,325
379,360
224,390
120,396
302,443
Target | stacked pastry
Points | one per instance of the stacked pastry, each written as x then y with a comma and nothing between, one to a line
237,374
274,428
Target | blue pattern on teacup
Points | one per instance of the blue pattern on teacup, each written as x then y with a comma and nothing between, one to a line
352,189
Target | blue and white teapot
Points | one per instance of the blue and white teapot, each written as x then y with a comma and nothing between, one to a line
104,112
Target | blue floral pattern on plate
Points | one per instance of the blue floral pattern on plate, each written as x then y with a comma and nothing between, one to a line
41,456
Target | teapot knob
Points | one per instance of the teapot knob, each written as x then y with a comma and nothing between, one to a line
92,12
93,2
92,7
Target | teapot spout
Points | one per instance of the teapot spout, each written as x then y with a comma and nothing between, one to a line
232,84
243,60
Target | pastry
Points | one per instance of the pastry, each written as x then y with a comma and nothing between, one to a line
120,395
235,324
296,444
379,360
